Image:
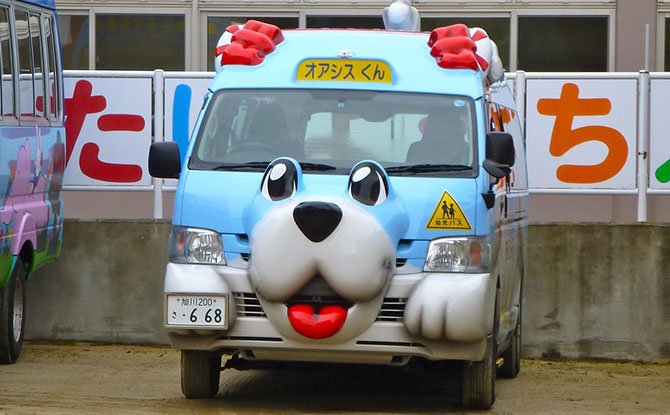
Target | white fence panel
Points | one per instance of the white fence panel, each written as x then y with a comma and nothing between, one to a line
659,145
581,133
581,129
109,129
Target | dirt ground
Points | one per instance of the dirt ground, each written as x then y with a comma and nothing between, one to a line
87,378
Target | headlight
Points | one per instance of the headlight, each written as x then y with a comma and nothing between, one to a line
195,246
466,254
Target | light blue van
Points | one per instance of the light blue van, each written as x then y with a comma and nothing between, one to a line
347,197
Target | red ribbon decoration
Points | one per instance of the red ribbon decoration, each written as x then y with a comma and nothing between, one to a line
453,47
251,44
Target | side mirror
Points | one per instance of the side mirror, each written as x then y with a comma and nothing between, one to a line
498,162
164,160
500,148
496,170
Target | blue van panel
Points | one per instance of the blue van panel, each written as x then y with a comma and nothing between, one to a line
229,201
414,70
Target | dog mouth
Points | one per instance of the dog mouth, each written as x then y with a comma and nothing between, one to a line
317,312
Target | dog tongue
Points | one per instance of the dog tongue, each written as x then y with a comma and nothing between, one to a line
326,323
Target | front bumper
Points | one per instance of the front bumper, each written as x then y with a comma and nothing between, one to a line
386,341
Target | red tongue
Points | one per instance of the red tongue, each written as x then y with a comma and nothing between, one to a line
328,322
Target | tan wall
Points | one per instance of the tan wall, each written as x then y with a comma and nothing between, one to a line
631,18
591,290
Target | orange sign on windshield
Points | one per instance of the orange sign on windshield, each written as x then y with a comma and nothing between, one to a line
352,70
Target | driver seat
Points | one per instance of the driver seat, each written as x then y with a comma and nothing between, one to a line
442,141
269,128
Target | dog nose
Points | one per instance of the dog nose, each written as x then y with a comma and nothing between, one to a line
317,220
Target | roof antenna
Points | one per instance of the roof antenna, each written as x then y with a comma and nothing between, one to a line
401,15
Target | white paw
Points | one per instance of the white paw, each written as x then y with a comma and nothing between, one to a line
426,310
453,307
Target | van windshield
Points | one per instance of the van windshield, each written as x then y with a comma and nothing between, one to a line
331,130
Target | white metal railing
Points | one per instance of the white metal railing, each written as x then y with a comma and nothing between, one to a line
632,179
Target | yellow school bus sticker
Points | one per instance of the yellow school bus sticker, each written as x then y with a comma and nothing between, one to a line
352,70
448,215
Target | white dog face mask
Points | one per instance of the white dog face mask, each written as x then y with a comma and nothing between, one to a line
321,258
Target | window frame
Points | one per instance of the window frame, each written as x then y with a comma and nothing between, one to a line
195,17
79,12
663,15
23,119
610,14
56,117
13,119
46,105
92,13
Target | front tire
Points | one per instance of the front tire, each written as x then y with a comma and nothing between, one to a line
512,356
200,373
478,380
12,314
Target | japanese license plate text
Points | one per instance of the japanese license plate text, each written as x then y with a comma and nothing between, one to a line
196,311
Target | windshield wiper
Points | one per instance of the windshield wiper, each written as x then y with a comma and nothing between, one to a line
427,168
316,166
264,165
249,165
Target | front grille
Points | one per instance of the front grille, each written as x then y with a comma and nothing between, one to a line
320,300
381,343
247,305
399,262
392,309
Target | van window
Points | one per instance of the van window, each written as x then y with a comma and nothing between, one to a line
53,88
27,91
38,66
6,64
337,128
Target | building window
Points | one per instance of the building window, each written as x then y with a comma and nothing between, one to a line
140,42
74,40
498,29
346,22
217,25
667,44
563,43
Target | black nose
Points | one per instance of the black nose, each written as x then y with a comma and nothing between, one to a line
317,220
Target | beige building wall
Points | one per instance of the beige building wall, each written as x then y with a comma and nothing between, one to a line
631,18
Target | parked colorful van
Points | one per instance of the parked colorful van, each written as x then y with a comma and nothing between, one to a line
32,157
349,196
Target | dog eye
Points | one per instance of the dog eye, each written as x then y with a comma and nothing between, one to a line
280,180
367,184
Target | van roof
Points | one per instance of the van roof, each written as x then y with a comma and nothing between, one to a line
407,53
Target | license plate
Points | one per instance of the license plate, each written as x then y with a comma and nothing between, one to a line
353,70
196,311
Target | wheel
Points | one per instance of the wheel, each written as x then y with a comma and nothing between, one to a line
12,314
478,380
512,356
200,373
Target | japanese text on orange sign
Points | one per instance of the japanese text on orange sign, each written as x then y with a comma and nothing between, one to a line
564,137
339,70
